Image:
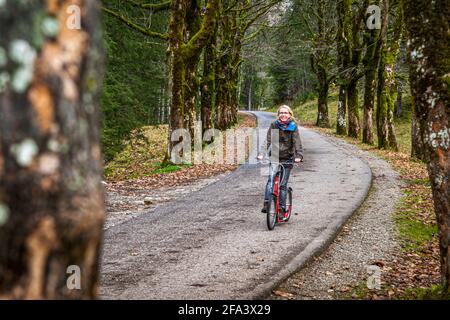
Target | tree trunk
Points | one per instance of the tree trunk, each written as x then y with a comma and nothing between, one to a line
322,106
249,95
369,97
192,84
177,101
319,65
230,61
349,52
184,52
353,110
387,87
234,75
427,23
191,81
418,150
322,92
177,70
398,106
385,109
221,95
208,87
51,197
371,61
341,123
352,26
223,72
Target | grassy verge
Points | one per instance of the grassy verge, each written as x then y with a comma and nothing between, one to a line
142,154
415,272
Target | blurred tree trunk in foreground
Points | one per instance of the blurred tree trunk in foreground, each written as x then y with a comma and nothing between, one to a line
427,23
51,198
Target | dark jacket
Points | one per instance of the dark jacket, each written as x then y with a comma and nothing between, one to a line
290,144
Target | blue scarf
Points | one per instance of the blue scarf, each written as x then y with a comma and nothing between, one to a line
289,126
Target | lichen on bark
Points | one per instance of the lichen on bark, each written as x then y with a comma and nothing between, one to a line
427,25
43,148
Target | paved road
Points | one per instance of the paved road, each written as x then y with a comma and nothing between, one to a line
214,243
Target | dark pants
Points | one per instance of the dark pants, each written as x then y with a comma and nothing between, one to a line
284,178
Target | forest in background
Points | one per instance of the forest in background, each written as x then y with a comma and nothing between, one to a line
283,42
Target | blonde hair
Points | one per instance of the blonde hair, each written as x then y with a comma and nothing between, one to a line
291,113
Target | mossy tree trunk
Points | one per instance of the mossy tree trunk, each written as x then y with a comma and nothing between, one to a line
418,149
322,100
51,197
187,38
322,66
369,101
222,71
342,59
399,104
350,25
354,26
353,109
208,87
236,62
427,24
177,72
322,30
234,24
387,86
229,107
227,78
341,125
192,81
370,61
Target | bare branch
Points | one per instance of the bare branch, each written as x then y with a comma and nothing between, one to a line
135,26
154,7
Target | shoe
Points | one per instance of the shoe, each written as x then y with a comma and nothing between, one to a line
264,209
282,214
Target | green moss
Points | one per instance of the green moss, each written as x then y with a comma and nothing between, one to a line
435,292
169,168
413,232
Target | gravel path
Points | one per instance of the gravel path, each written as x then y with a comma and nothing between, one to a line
366,239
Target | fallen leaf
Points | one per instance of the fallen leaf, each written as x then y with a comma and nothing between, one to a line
283,294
